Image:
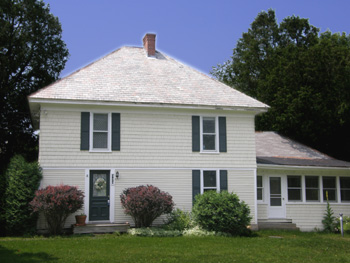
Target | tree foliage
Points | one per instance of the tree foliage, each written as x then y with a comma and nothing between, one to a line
303,75
23,180
145,203
32,54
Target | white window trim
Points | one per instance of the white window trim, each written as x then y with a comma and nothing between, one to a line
216,134
109,132
217,180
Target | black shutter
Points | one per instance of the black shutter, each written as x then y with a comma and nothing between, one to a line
195,134
115,131
85,131
196,183
223,180
222,134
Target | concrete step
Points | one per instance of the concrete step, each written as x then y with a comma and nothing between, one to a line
275,224
100,228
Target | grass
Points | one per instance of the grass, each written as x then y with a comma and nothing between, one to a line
292,247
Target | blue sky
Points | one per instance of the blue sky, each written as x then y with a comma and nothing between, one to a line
201,34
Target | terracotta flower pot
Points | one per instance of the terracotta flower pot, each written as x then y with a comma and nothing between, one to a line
80,220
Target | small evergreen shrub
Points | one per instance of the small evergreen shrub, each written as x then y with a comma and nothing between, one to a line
329,221
57,203
145,203
23,180
222,212
178,220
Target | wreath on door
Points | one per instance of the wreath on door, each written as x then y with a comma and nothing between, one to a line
100,184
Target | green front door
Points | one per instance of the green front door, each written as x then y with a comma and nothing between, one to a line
99,195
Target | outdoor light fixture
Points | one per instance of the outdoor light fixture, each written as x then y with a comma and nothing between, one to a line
117,175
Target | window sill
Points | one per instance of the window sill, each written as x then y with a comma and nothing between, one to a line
210,152
100,151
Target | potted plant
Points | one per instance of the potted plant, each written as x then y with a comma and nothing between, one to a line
80,219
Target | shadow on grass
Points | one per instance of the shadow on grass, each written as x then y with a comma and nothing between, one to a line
13,256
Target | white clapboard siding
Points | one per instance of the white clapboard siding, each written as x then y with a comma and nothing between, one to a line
149,138
178,183
242,183
262,211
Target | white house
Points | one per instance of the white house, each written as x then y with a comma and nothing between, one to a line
137,117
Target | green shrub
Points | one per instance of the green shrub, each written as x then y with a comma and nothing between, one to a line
222,212
178,220
154,232
23,180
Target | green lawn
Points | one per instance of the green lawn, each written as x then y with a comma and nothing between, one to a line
292,247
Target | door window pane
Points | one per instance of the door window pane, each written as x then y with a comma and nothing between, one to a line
275,191
99,184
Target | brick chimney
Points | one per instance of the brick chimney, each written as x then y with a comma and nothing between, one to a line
149,44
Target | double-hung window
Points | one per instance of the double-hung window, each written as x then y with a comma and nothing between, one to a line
100,132
345,189
312,188
209,137
329,188
210,181
294,188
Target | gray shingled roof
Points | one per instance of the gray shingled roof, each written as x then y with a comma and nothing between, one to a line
128,75
272,148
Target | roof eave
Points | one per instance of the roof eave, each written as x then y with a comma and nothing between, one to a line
299,167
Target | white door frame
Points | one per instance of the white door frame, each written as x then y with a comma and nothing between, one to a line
277,211
111,193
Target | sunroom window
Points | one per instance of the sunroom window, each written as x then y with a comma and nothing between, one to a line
345,189
259,184
329,188
294,188
312,188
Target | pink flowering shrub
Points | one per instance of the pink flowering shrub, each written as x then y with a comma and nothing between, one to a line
145,203
57,203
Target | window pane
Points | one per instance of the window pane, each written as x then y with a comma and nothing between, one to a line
208,142
99,185
260,194
275,201
312,194
331,195
275,185
345,195
345,182
259,181
208,125
311,181
294,181
100,122
209,178
100,140
329,182
294,195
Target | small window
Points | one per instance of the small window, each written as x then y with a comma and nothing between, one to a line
100,134
260,189
345,189
329,188
312,188
209,134
209,181
294,188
